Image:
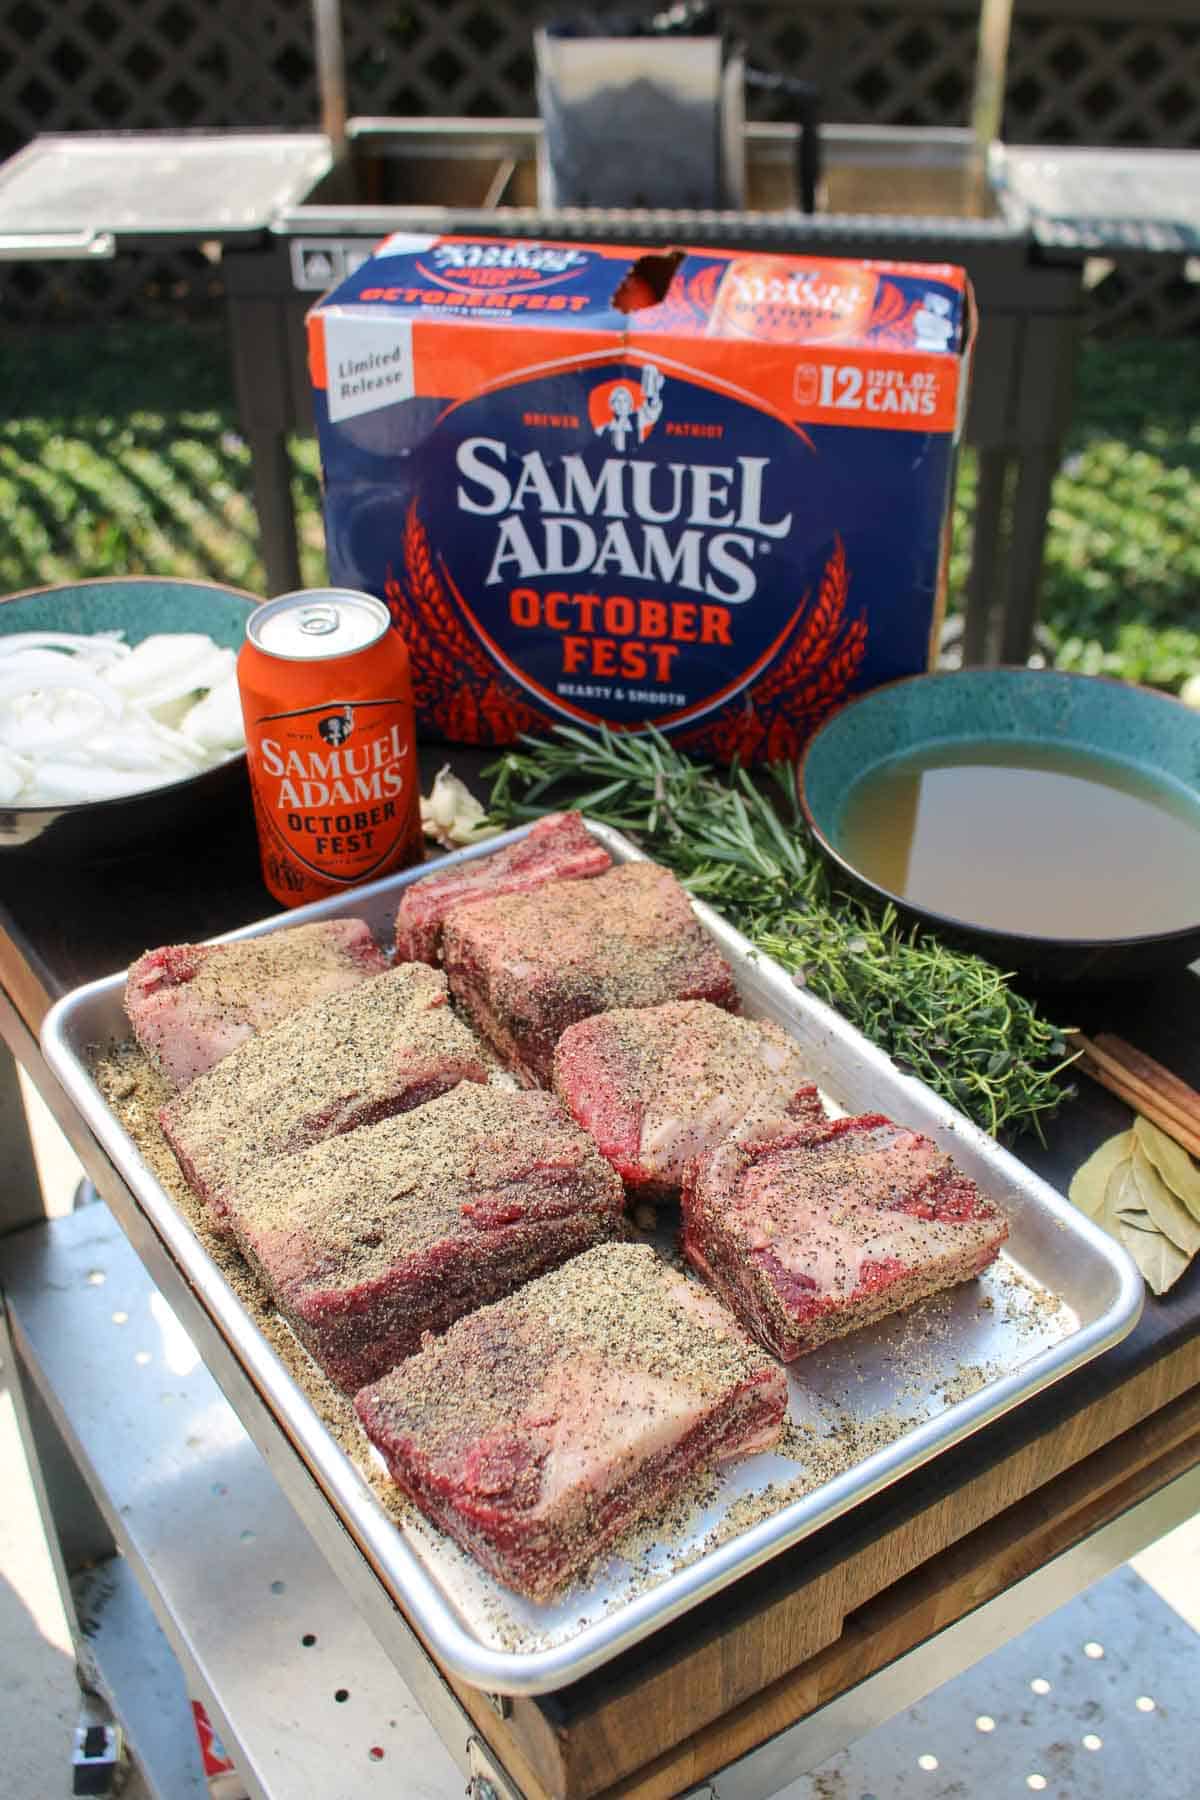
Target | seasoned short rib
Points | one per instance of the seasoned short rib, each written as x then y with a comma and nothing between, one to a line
371,1239
351,1059
810,1231
538,1429
658,1086
191,1004
558,848
525,966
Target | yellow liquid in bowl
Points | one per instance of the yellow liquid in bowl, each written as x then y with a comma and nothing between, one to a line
1028,838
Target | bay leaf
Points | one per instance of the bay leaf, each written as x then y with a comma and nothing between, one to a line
1155,1255
1172,1162
1090,1180
1118,1186
1121,1196
1133,1219
1165,1208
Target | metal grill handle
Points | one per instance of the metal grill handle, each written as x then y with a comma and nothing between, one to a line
56,246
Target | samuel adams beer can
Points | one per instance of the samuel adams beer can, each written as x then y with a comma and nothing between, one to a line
327,700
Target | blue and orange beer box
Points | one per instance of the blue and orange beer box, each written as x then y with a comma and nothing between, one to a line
705,491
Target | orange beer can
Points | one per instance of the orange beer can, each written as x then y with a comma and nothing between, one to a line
330,742
776,302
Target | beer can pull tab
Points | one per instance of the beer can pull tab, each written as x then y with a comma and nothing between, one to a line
318,621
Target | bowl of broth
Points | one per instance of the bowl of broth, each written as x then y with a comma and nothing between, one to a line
1049,821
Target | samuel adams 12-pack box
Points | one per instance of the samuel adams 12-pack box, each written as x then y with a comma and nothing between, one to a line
705,491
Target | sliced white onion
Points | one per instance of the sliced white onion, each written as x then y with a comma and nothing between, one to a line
165,700
41,669
14,773
53,662
31,725
215,723
65,783
136,747
170,664
90,719
102,647
173,743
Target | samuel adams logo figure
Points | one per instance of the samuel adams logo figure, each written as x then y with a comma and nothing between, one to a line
625,408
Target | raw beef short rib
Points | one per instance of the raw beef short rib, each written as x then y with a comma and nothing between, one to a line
558,848
371,1239
539,1429
659,1086
191,1004
526,966
351,1059
810,1231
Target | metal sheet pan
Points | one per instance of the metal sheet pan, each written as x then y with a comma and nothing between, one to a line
866,1409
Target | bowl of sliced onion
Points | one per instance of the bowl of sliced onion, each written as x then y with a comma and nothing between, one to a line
119,714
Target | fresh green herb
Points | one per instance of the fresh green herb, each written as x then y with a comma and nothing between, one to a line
947,1017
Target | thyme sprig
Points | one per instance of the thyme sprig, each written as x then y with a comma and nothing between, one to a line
949,1018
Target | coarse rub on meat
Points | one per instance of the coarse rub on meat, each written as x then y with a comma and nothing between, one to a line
658,1086
348,1060
557,848
540,1428
369,1240
191,1004
525,966
810,1231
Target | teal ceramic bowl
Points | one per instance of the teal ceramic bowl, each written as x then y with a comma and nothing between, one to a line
1150,733
98,830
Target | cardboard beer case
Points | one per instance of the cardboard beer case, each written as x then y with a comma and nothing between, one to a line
706,491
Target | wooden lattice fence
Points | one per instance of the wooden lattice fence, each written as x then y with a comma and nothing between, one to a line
1080,71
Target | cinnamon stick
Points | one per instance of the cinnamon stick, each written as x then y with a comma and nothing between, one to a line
1185,1098
1144,1085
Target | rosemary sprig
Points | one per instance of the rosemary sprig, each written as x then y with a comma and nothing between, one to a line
720,837
949,1018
